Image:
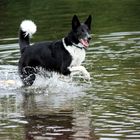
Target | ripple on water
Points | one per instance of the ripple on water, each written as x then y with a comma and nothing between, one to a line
115,92
112,99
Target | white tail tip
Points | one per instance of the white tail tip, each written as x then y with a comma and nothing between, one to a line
28,27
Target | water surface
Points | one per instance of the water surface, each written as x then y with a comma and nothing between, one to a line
107,107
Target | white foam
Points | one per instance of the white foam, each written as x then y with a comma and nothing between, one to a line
56,83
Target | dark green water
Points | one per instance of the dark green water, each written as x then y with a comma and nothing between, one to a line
108,108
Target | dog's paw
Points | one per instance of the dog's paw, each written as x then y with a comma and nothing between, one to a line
87,75
81,69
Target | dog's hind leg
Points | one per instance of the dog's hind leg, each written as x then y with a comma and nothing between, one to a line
28,75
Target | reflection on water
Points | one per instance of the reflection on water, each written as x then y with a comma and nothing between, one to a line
47,110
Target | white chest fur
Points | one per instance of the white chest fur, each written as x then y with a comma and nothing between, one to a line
78,54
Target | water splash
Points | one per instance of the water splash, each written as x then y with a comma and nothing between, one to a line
9,80
56,83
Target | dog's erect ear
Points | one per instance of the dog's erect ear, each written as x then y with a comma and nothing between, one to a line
88,21
75,22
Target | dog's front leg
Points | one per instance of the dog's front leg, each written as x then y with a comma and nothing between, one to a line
81,69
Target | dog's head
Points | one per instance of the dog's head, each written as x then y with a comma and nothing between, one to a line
81,31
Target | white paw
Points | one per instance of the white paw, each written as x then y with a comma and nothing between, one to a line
81,69
87,75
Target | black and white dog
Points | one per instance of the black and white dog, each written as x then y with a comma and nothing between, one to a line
63,56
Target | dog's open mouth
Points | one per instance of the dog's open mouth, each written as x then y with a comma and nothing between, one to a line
84,42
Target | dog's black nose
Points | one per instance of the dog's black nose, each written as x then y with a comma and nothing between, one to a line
89,38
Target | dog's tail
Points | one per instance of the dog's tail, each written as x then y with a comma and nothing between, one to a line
27,29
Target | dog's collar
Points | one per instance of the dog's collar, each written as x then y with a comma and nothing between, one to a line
80,46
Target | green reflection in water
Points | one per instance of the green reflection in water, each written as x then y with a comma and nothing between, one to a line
53,17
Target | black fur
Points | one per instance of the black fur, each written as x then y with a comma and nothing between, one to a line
51,56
